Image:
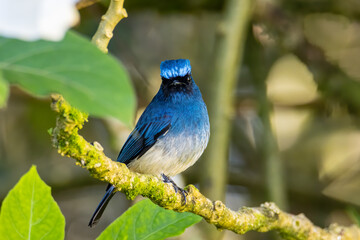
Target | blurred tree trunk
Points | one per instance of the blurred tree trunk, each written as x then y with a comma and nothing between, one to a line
229,50
261,60
274,169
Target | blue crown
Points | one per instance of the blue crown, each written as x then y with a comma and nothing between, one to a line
175,68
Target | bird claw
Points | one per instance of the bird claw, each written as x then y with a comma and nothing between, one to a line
183,192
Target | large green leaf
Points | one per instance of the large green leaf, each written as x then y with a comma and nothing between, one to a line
30,212
147,221
4,91
89,79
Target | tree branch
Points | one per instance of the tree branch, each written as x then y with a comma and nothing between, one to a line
267,217
113,15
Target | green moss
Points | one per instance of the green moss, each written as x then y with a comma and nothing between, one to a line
131,195
137,189
73,117
91,155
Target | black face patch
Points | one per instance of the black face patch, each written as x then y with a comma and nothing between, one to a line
180,80
178,84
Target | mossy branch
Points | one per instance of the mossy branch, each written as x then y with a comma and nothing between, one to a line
267,217
113,15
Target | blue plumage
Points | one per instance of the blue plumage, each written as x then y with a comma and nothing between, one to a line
172,132
175,68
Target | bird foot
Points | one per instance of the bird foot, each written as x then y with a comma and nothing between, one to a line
183,192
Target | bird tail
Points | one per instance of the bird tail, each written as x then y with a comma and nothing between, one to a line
102,205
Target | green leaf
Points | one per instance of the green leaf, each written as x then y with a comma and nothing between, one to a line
4,91
30,212
89,79
147,221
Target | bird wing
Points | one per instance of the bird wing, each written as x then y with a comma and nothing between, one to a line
143,137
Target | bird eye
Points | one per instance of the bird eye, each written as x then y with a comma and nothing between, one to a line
188,78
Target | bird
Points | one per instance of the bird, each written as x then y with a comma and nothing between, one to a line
170,135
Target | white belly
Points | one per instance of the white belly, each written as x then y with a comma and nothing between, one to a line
170,155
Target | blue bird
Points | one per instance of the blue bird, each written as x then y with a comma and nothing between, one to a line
170,135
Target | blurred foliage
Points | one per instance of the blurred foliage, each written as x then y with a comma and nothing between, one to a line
354,215
4,91
289,82
338,37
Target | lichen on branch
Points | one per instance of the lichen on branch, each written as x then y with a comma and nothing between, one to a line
267,217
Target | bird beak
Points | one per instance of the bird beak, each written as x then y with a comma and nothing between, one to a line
176,82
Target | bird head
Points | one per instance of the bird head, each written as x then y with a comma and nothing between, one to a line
176,75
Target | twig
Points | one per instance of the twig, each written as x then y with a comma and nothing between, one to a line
113,15
267,217
85,3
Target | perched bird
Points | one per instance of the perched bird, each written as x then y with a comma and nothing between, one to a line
170,135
